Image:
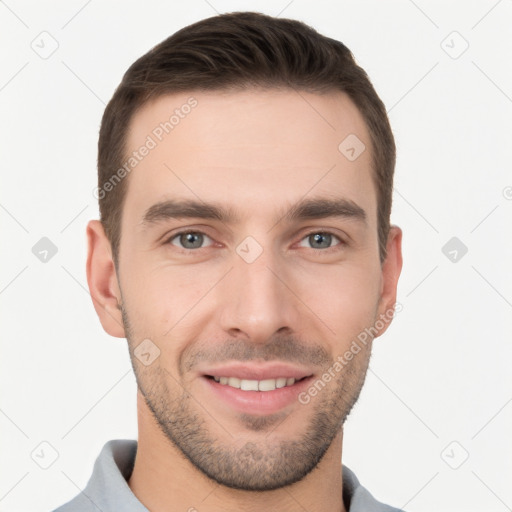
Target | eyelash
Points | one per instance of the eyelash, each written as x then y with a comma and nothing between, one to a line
328,250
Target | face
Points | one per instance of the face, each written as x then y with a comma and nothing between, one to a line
248,266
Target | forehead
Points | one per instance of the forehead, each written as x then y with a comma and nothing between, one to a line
248,148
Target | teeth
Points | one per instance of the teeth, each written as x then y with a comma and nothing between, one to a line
256,385
234,382
267,385
249,385
281,382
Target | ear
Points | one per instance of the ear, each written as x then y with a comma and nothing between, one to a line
102,280
391,268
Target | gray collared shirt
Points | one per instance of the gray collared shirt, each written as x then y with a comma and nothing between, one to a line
108,490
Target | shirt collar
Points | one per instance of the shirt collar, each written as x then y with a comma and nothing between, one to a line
108,487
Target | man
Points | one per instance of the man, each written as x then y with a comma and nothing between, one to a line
245,252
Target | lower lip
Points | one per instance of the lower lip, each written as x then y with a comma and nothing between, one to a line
257,402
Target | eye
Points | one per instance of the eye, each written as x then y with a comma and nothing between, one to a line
320,240
189,239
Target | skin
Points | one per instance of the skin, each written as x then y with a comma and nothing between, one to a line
258,153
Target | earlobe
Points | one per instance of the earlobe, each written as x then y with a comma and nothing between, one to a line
391,269
102,280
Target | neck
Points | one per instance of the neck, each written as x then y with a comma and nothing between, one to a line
163,480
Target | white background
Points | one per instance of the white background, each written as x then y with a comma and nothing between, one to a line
442,371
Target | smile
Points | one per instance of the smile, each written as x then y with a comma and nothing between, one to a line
255,385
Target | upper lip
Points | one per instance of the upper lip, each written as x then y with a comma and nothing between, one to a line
253,371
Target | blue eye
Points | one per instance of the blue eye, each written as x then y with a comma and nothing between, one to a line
189,239
320,240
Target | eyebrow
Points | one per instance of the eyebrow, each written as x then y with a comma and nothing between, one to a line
305,209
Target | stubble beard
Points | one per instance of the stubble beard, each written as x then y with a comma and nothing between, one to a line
267,463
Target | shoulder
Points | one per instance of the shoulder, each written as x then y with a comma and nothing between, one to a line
107,489
358,499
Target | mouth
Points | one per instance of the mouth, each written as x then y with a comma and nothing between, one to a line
255,389
264,385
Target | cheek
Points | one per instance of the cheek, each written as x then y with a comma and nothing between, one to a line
345,298
164,299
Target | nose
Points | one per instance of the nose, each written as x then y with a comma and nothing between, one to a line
258,300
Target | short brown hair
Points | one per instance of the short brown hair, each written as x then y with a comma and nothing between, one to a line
237,51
